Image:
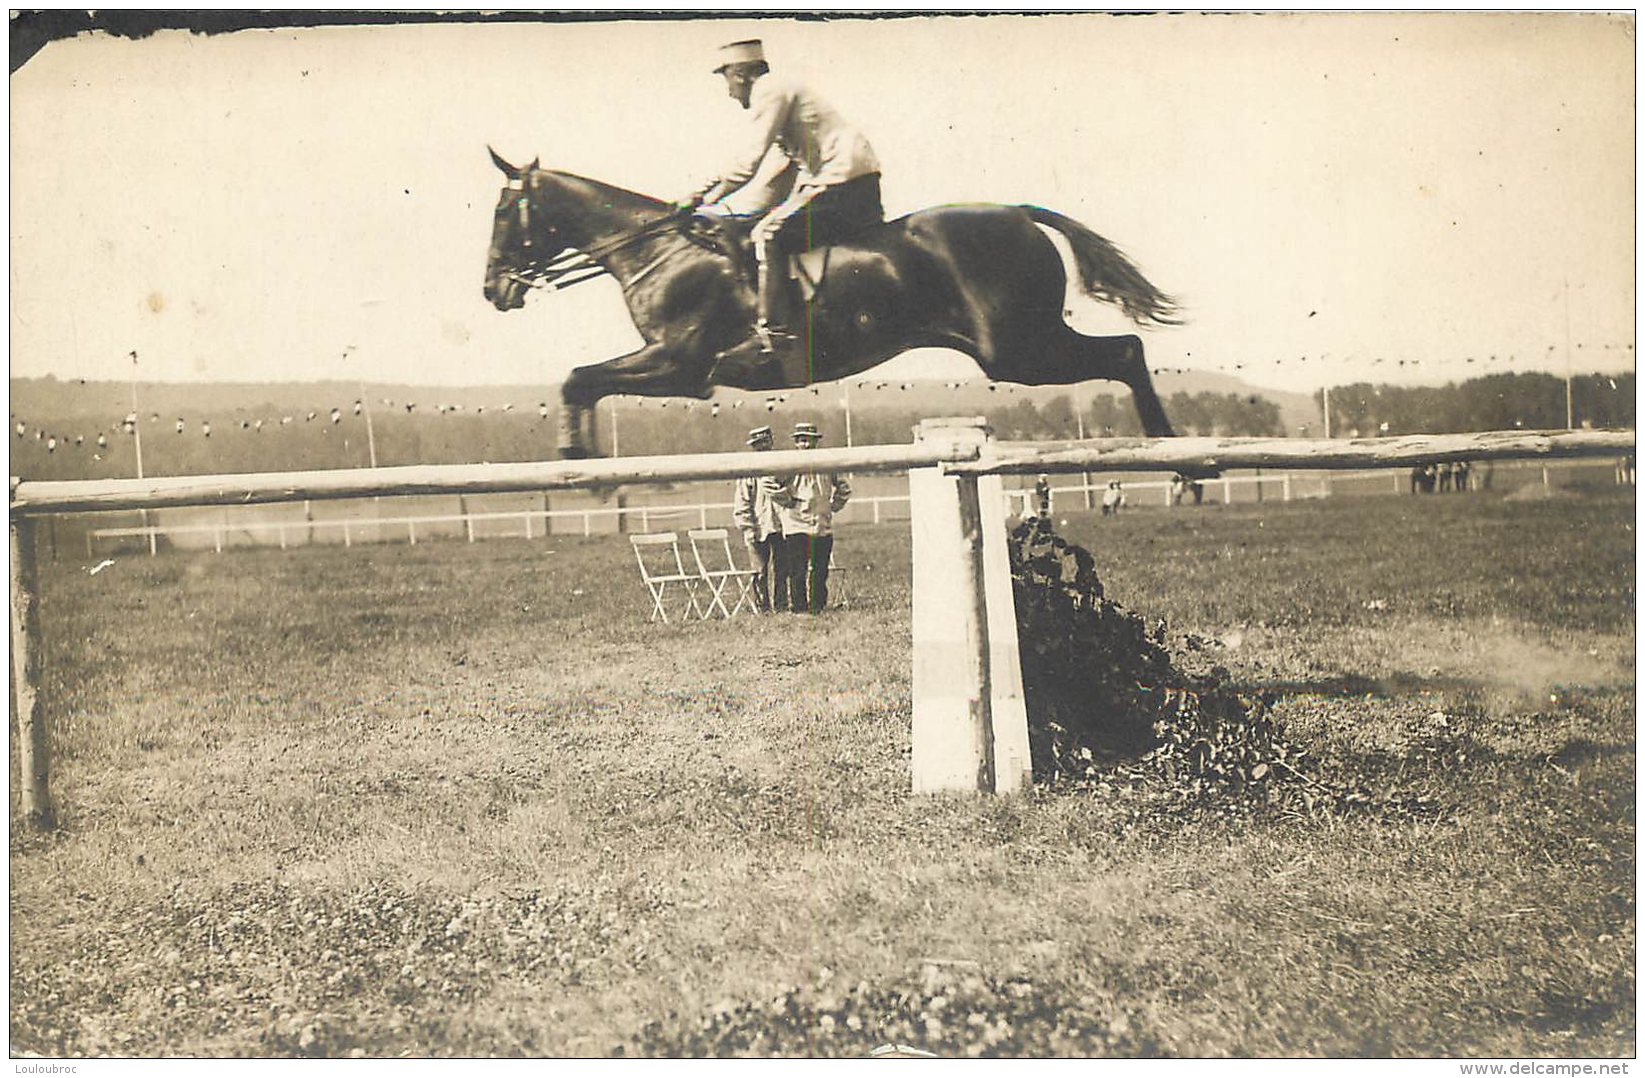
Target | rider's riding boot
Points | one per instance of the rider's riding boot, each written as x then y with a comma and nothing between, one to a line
773,334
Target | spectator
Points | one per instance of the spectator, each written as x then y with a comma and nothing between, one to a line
1113,498
1179,487
1042,497
1460,478
756,514
806,504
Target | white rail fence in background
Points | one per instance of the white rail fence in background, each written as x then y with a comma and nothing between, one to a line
535,523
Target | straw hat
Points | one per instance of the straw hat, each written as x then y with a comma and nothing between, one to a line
758,435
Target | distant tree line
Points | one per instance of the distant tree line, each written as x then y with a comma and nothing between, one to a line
1494,402
651,427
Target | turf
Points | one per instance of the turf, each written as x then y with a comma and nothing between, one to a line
461,799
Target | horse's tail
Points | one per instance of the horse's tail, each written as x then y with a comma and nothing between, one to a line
1107,274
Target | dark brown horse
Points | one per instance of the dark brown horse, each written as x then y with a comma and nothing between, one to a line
981,279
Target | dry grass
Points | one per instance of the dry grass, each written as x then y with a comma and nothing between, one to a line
457,800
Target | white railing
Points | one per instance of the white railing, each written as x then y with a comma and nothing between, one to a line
1019,502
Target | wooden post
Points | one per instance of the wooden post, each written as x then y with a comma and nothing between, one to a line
970,726
33,753
462,511
548,521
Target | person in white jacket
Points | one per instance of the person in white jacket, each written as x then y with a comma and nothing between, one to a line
832,180
756,514
806,504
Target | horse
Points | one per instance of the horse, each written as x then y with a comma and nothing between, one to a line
978,278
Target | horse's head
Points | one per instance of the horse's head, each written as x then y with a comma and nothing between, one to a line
522,237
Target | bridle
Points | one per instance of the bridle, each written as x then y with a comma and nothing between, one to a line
573,265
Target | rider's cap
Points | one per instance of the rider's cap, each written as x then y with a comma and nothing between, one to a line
807,430
740,52
758,435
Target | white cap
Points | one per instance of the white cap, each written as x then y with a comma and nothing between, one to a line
740,52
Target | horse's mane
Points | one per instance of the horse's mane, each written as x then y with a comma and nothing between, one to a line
599,190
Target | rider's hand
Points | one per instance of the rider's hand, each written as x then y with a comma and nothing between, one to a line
689,202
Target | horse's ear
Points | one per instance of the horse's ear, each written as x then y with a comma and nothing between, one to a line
508,170
534,164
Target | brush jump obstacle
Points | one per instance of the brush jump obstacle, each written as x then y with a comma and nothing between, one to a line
970,731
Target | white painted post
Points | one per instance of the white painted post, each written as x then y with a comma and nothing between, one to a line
348,540
586,528
282,529
33,750
702,516
1227,491
527,517
970,726
1285,487
411,531
876,510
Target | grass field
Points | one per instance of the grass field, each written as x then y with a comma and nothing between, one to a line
458,800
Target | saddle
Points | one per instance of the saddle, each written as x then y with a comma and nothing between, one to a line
733,239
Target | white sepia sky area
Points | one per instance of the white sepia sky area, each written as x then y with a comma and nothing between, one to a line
1333,197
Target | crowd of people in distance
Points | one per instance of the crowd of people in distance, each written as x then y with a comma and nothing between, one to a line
788,524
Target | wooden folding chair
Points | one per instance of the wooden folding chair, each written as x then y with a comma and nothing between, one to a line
718,579
660,566
836,583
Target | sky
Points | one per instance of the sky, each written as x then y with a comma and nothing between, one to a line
1334,197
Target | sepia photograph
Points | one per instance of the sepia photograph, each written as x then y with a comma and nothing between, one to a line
823,535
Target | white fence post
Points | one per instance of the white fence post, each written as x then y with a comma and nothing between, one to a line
970,725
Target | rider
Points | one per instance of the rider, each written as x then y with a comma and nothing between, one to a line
832,180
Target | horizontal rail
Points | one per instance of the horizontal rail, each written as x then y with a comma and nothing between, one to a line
1192,454
97,495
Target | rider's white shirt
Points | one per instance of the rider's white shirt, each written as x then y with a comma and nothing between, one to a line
791,116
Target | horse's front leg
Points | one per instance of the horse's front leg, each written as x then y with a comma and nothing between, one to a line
657,370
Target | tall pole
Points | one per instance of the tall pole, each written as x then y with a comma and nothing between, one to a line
845,402
1570,413
137,443
1326,394
365,407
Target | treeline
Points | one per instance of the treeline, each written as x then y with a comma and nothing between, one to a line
653,427
1494,402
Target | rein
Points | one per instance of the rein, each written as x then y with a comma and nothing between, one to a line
576,266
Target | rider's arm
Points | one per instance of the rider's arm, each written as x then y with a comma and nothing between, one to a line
769,104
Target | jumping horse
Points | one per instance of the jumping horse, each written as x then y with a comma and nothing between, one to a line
981,279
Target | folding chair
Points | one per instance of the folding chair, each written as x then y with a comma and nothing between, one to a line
718,579
663,568
836,583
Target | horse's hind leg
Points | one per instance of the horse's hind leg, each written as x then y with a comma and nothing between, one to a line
1072,357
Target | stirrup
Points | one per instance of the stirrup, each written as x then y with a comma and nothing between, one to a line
773,337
